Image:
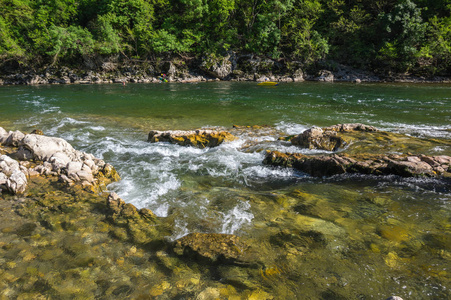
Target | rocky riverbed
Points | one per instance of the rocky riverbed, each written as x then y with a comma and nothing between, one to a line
63,235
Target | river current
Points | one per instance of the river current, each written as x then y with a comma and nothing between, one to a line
381,236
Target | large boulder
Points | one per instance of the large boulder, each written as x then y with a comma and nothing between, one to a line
325,75
195,138
328,165
42,148
17,182
14,138
317,138
8,165
218,67
331,138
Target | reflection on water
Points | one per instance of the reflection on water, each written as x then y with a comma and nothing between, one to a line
345,237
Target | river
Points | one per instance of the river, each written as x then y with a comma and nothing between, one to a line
343,237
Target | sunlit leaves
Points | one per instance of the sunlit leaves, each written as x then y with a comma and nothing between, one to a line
395,35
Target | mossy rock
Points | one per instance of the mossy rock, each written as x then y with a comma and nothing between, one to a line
138,226
215,248
195,138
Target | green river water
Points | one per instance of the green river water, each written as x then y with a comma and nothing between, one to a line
343,237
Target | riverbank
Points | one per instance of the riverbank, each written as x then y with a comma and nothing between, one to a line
228,68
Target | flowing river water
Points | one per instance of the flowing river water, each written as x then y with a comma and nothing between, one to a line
343,237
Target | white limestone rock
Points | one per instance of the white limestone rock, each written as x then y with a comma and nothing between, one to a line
14,138
17,182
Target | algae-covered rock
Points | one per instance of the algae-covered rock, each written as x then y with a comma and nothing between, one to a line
347,127
195,138
140,226
215,248
357,138
328,165
327,138
317,138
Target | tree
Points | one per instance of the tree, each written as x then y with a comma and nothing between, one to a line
437,50
404,31
299,36
70,42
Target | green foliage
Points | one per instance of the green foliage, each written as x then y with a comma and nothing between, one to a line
107,39
164,41
404,31
15,21
387,35
299,36
8,45
70,42
437,51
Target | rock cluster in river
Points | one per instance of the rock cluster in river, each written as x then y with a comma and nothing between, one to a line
327,138
342,136
329,165
28,155
195,138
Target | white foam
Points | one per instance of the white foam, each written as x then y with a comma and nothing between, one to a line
265,172
443,131
291,128
237,217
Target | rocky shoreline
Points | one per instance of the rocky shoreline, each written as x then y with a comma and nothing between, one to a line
32,155
232,67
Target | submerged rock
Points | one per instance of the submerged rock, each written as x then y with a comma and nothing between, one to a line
139,226
214,248
195,138
328,165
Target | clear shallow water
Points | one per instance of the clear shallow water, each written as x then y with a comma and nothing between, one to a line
379,236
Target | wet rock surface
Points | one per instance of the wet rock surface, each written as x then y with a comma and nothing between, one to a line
195,138
137,226
364,150
329,165
328,138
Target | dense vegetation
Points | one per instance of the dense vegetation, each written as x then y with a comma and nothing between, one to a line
383,35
